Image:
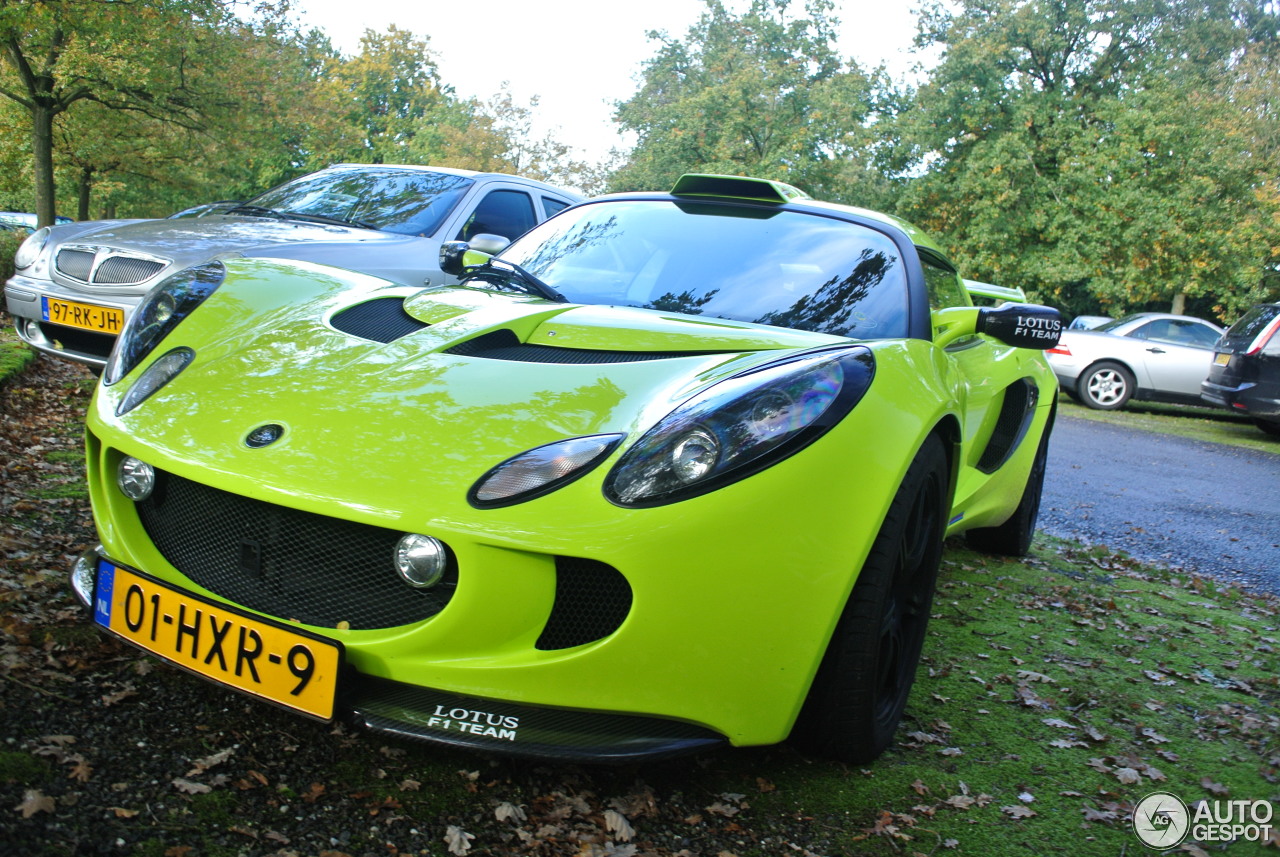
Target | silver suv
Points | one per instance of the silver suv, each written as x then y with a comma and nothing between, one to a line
76,284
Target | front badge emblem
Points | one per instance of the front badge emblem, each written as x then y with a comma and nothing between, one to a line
264,436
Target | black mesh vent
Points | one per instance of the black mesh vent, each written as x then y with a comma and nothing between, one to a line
1016,410
284,562
592,600
80,341
505,345
382,320
75,264
123,271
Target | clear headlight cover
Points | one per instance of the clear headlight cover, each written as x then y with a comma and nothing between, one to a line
540,470
29,252
157,375
740,426
173,299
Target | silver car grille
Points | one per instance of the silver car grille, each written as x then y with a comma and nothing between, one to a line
101,266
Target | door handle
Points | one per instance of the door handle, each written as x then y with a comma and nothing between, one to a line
1155,350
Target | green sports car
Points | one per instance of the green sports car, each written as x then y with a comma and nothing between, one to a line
670,471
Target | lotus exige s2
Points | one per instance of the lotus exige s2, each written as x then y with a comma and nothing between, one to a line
671,471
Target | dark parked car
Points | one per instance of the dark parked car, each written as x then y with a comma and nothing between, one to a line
1245,374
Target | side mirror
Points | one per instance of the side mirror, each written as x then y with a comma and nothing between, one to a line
457,256
1019,325
487,242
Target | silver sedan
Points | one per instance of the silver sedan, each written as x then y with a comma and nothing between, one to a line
76,284
1148,356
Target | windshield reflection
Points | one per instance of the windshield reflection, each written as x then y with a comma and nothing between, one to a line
781,268
407,202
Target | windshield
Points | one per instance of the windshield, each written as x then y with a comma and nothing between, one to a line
742,263
408,202
1112,325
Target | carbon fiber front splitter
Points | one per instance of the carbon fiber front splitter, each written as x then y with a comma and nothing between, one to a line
421,714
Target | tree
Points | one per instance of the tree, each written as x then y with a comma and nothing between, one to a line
161,59
1090,150
760,93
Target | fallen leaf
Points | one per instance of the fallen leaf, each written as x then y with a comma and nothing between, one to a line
458,840
920,788
121,812
1128,776
617,824
33,801
1216,789
1017,811
507,811
192,788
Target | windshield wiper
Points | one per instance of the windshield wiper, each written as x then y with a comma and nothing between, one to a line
511,274
263,211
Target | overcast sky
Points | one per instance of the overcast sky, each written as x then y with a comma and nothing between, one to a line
579,56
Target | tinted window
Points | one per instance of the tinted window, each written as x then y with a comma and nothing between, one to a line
1176,331
408,202
1252,323
508,213
945,288
743,263
553,206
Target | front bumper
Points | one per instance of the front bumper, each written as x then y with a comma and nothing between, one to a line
456,720
24,300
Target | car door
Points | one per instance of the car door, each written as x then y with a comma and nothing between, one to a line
1176,353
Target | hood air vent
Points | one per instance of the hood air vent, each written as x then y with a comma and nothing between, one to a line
505,345
379,320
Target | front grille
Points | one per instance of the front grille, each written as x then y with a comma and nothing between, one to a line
79,341
115,269
503,344
592,600
76,264
124,271
381,320
286,563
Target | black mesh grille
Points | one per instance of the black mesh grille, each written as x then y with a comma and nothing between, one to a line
1015,416
80,341
592,600
284,562
382,320
123,271
505,345
75,264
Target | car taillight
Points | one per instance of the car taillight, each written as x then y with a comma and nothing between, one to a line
1260,342
1059,349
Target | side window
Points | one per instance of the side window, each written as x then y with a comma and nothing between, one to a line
508,213
945,288
553,206
1199,335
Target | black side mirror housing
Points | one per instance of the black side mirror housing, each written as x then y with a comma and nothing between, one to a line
1021,325
451,253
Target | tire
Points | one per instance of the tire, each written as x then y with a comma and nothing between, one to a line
1105,386
861,687
1271,428
1013,537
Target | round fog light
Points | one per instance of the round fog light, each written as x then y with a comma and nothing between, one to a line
136,479
420,560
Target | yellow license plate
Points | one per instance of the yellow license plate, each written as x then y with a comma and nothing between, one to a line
101,319
280,664
1222,359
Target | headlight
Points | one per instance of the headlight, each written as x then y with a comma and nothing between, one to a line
421,560
172,300
541,470
136,478
29,252
739,427
157,375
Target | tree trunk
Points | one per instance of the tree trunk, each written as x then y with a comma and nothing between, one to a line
86,187
42,153
1179,304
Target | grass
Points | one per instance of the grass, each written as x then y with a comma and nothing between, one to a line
1212,425
15,355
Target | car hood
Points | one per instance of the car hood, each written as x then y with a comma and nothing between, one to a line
369,423
190,241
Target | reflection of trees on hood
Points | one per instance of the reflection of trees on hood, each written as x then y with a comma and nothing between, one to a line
684,302
829,309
